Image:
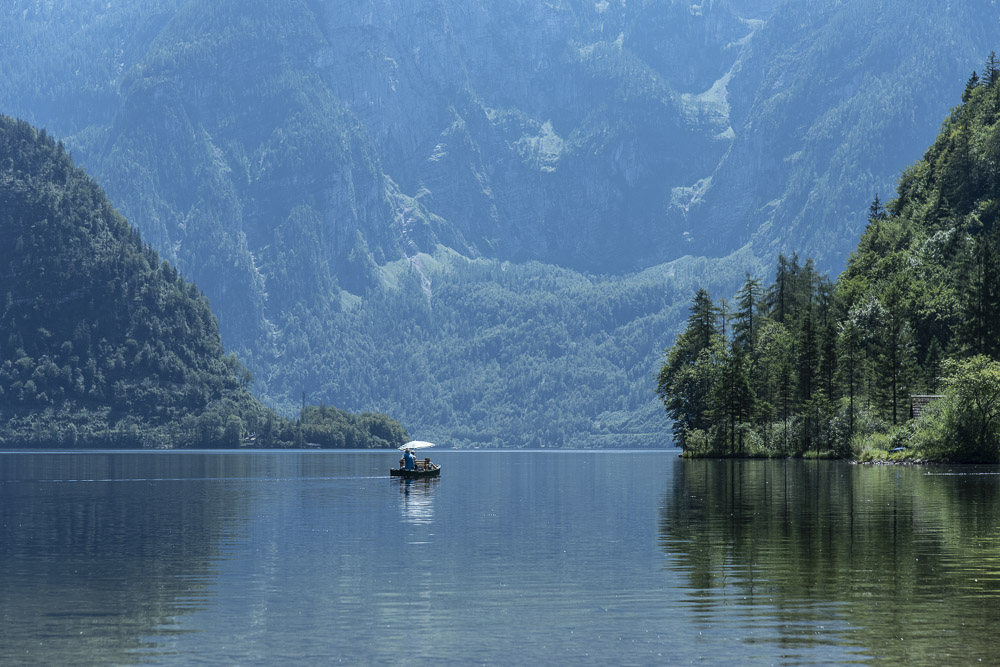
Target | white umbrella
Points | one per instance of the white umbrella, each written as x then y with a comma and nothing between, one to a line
416,444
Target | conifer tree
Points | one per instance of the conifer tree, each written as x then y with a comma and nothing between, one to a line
850,366
732,398
806,361
932,365
685,379
980,325
991,70
895,352
778,296
970,86
747,316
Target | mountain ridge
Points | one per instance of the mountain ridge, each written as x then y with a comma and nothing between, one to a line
102,344
285,174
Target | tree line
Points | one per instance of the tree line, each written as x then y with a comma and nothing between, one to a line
104,345
806,365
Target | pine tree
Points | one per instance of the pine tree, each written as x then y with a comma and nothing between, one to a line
732,396
747,316
807,363
970,86
896,350
991,73
980,324
851,359
932,365
991,70
685,380
703,322
959,178
778,295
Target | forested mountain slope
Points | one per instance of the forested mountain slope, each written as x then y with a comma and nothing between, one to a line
831,367
101,343
288,157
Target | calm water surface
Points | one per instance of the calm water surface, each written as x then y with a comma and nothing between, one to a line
631,558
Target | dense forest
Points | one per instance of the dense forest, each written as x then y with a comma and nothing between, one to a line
481,353
806,365
103,344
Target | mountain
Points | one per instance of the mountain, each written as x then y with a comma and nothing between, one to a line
99,336
899,358
103,344
841,94
297,160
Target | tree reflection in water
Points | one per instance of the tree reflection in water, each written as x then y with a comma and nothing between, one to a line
901,562
100,553
417,499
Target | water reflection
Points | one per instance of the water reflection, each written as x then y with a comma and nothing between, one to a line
98,553
417,499
899,563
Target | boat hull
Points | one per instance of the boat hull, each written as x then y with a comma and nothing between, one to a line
414,474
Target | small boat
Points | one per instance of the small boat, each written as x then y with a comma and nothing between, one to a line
420,471
421,468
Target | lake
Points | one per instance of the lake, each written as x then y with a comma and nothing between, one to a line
511,557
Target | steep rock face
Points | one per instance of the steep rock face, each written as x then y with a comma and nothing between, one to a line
531,127
519,131
694,45
226,133
602,136
836,97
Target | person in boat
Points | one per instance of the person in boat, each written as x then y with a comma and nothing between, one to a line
409,459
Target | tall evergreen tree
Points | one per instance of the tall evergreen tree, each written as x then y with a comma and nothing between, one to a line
970,86
979,327
851,359
807,365
685,380
827,329
732,398
747,315
895,352
876,212
991,70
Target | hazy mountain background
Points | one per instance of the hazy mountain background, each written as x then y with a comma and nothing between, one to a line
103,345
486,218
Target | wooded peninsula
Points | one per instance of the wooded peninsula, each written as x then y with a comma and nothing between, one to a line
809,367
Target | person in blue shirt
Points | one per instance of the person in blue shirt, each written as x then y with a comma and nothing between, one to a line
410,459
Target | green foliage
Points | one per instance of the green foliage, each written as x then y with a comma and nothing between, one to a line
331,428
686,378
835,364
761,385
967,425
101,343
482,353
